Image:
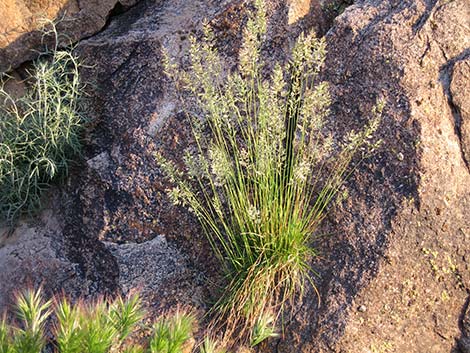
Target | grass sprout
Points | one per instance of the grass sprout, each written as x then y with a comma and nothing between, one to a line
69,334
262,171
5,334
170,334
32,312
210,345
126,314
264,328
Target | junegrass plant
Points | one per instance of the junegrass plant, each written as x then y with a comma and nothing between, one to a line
39,131
261,171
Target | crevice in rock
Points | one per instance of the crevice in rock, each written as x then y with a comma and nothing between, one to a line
464,325
426,51
444,54
445,77
331,10
16,58
125,65
118,10
430,6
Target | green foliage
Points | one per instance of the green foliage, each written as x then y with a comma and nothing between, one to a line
33,313
39,132
125,315
210,346
5,341
134,349
68,330
264,328
99,331
99,327
262,171
171,334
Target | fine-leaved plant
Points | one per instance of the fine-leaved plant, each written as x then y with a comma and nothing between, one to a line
32,312
101,326
5,337
263,329
39,131
210,345
170,334
262,170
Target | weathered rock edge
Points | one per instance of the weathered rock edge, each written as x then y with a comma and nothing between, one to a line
21,39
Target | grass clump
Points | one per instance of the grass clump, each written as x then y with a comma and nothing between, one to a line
33,313
39,132
100,327
263,329
262,171
104,326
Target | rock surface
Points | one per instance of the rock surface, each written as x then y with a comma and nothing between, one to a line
394,274
401,244
33,256
20,35
458,94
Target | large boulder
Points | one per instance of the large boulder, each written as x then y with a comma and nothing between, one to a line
20,28
393,271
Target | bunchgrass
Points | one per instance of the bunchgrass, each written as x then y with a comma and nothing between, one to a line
101,326
39,131
262,171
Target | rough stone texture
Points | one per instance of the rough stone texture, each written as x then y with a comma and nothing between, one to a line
32,256
400,246
459,94
36,254
20,37
394,273
159,272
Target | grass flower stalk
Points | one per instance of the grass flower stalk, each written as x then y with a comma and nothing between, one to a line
262,171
